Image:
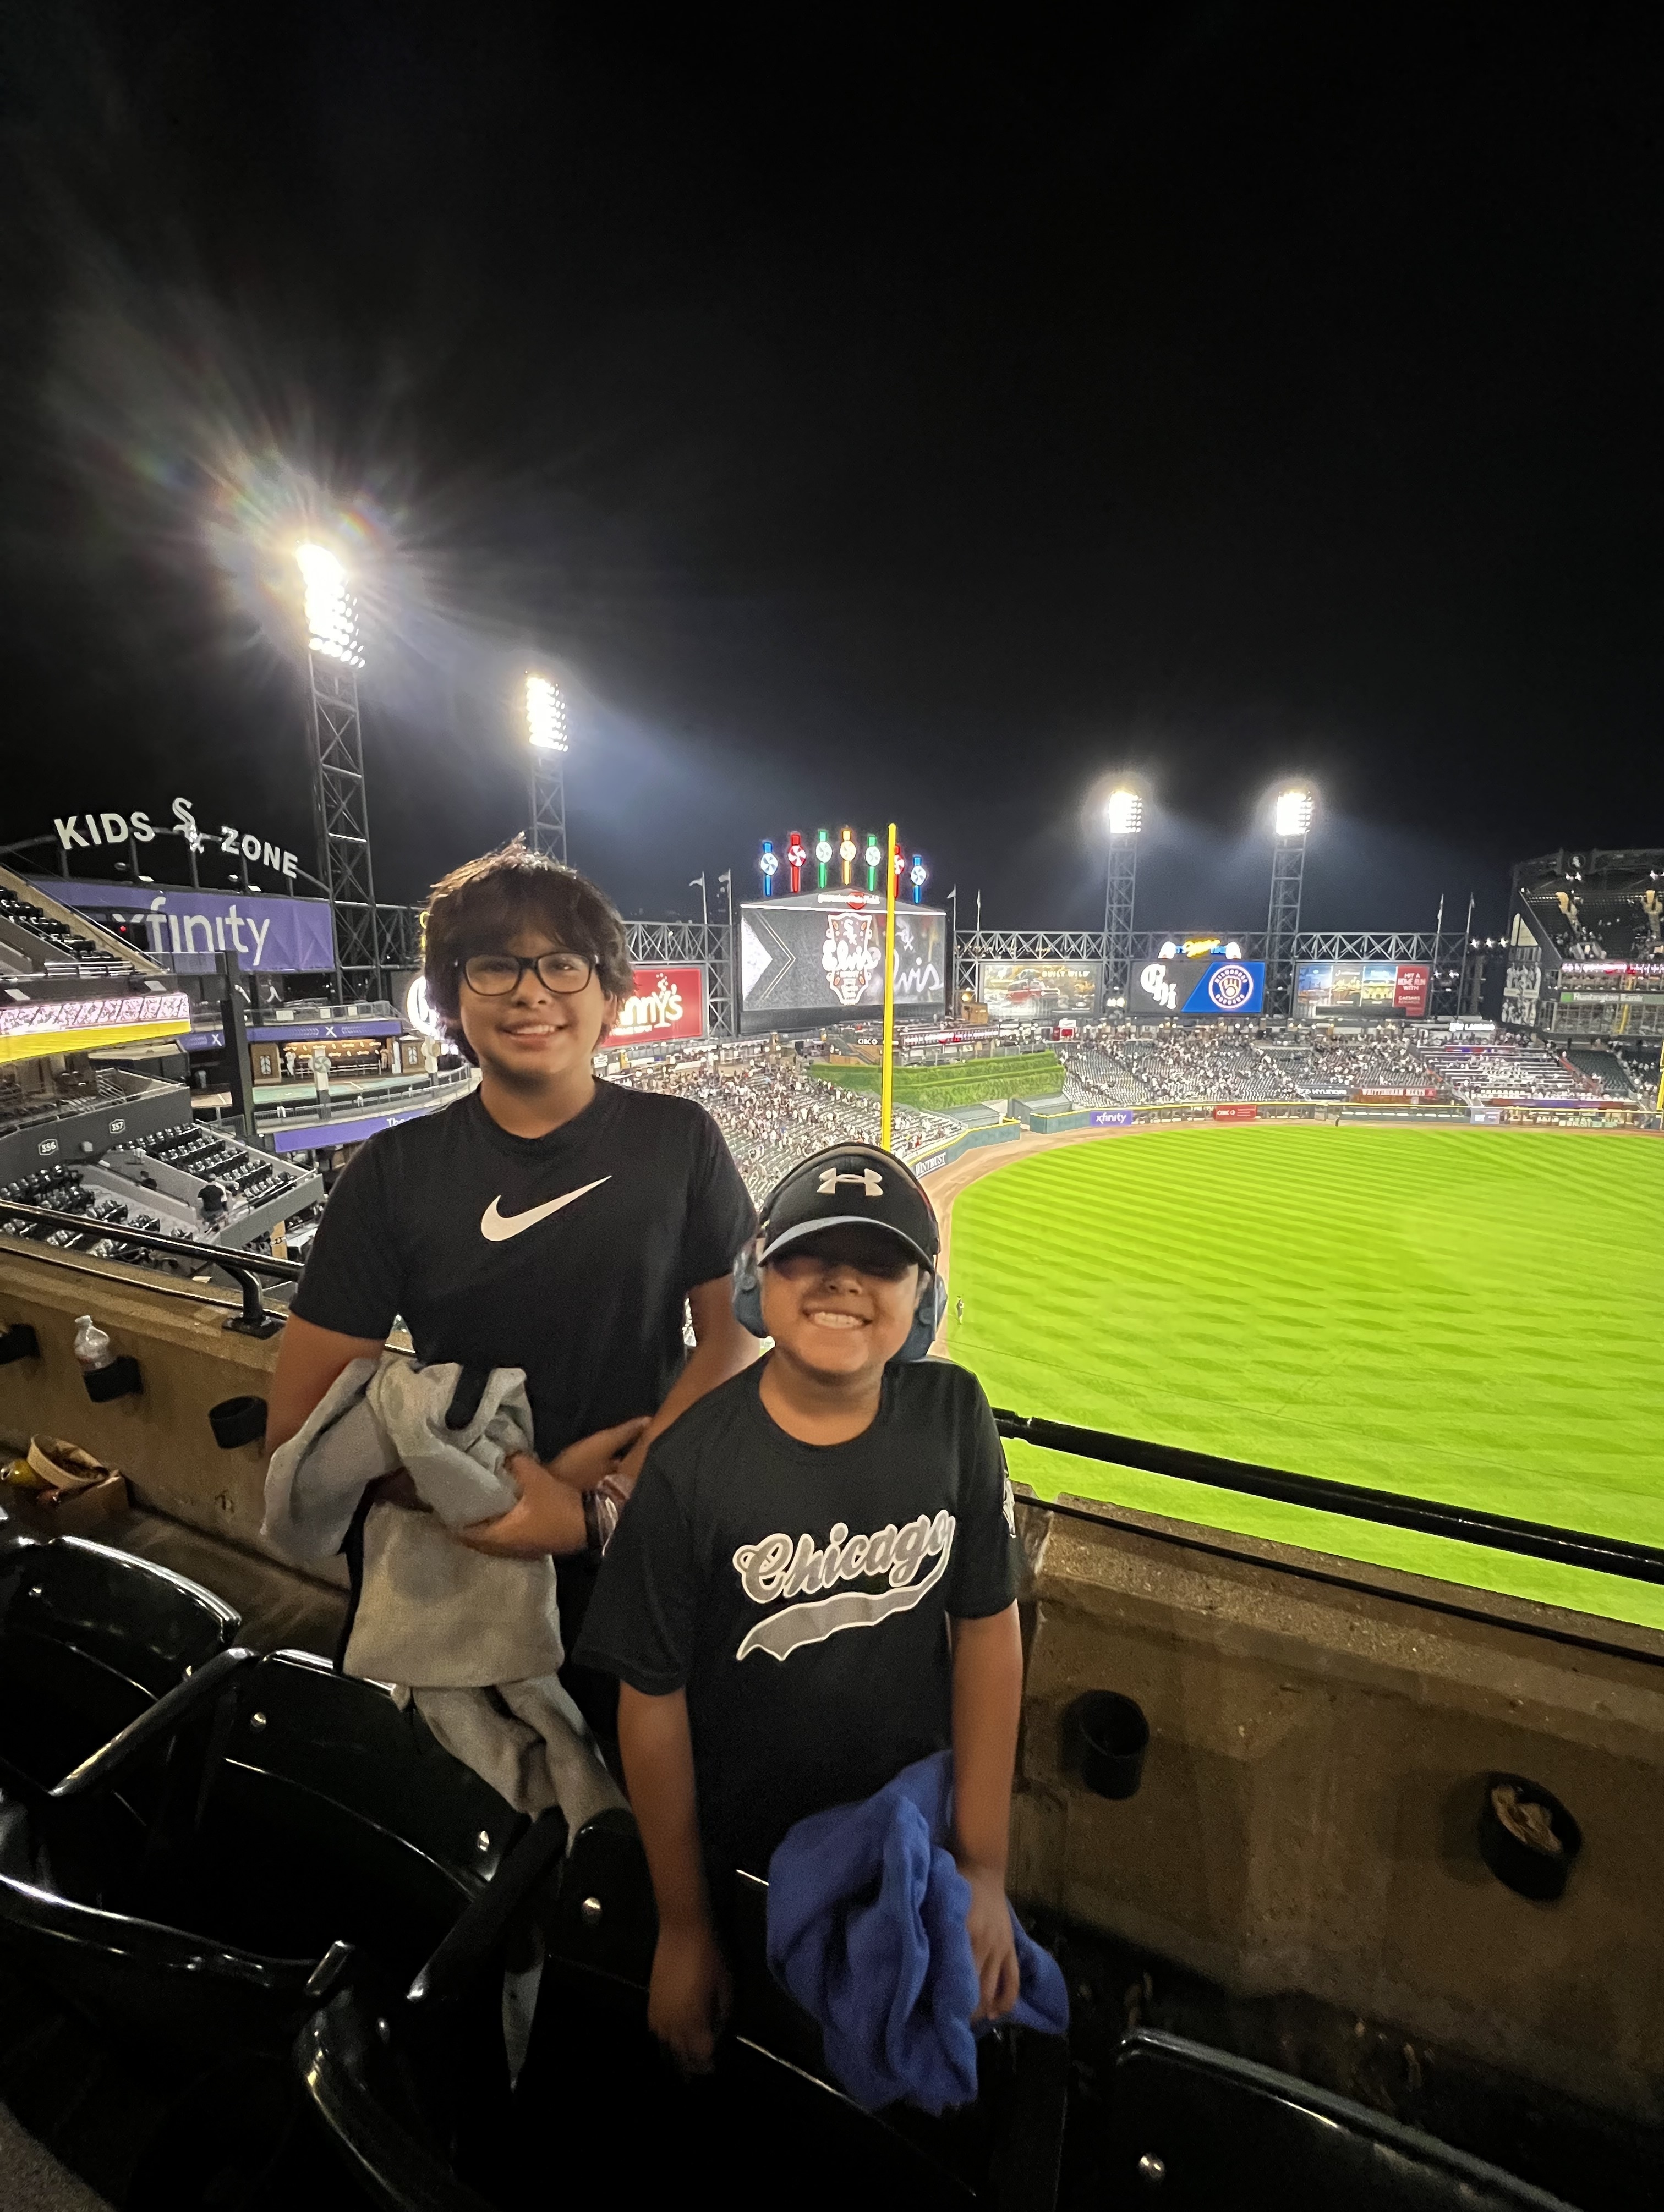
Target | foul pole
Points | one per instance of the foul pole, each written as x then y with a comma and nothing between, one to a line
887,1072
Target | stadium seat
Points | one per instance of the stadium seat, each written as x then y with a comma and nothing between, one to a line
384,2084
295,1827
1193,2130
89,1637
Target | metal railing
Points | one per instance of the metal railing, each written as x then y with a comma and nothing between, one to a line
254,1319
1462,1524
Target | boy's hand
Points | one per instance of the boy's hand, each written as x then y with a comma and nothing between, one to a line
547,1517
993,1945
588,1463
690,1996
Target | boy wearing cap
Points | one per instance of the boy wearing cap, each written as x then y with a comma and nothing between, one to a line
815,1583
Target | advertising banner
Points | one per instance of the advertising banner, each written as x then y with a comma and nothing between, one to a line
1412,989
1038,990
1205,984
1111,1117
803,965
1236,1113
37,1016
1364,987
666,1002
187,930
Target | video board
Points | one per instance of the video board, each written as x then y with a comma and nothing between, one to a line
1205,983
1038,990
803,965
1362,987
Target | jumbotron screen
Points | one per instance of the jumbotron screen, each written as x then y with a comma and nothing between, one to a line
805,963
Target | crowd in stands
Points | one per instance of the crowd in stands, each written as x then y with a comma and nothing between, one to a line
774,1113
1114,1064
1507,1069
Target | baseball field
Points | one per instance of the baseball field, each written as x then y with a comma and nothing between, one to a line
1467,1315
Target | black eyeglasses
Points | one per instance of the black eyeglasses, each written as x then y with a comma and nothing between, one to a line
495,975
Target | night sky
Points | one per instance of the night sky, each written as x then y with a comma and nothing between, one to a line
863,420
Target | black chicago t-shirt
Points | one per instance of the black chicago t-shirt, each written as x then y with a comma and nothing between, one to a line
801,1593
569,1255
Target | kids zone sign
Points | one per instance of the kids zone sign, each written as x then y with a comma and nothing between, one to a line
188,930
81,832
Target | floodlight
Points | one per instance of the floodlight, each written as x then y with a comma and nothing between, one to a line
1123,813
1292,816
332,618
546,714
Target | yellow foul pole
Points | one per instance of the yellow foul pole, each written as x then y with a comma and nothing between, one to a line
887,1074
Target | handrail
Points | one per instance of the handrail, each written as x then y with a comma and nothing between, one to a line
253,1321
1464,1524
159,1720
470,1942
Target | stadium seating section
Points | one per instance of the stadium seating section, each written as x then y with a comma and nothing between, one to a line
773,1111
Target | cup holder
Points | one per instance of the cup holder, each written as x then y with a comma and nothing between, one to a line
1526,1837
117,1378
237,1421
1105,1737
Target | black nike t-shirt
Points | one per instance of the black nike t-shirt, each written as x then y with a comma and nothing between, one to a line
800,1594
569,1255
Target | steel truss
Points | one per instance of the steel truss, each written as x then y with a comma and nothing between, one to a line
1283,922
398,932
1440,952
706,945
1117,914
341,814
549,803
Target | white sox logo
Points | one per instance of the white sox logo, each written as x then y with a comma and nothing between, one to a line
778,1568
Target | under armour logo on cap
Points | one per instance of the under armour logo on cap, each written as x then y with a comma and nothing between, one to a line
869,1179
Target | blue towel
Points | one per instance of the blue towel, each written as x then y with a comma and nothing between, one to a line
865,1928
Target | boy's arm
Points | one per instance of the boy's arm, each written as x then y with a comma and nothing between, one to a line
987,1705
690,1994
721,1348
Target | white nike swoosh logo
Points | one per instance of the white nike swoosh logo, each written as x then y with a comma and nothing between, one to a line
496,1231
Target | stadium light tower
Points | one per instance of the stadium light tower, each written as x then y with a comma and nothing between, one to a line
546,728
1123,818
340,805
1291,817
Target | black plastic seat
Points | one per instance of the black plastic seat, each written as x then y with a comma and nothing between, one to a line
1192,2128
379,2080
300,1827
89,1637
327,1814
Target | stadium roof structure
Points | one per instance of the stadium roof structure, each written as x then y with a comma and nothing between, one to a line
1593,906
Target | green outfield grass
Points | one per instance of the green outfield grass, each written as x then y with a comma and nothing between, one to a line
1468,1315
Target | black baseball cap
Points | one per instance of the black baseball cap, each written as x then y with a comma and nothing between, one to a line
849,1185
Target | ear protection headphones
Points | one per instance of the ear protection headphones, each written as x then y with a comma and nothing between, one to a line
930,1309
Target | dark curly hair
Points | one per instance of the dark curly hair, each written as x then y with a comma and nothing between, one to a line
478,907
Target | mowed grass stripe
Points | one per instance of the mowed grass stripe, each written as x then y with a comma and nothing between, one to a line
1455,1313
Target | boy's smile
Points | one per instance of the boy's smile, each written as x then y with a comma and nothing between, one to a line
839,1304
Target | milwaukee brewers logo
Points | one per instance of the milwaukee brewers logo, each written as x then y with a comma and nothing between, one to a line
1230,986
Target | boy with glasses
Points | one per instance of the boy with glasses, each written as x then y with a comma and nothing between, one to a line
549,1221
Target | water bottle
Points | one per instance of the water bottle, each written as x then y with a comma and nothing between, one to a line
92,1345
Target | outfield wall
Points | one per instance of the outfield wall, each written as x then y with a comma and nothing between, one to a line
1024,1119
